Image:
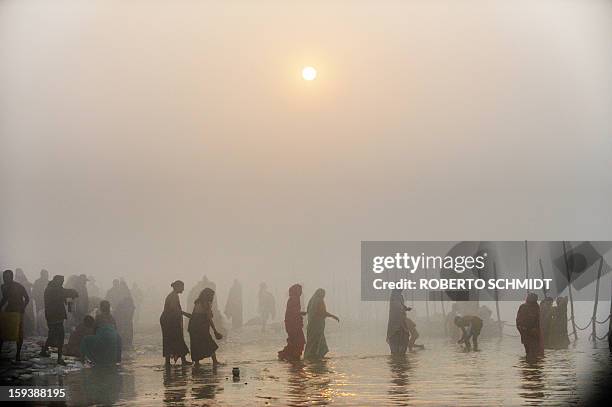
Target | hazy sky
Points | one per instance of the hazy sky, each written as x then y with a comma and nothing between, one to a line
170,139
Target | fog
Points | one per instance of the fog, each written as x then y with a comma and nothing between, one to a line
160,140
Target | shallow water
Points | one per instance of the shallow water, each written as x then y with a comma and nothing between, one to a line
357,372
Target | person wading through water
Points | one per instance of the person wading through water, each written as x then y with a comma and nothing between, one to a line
171,321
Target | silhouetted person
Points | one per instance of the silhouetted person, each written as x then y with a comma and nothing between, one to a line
38,294
28,315
16,299
138,297
559,338
201,322
115,294
233,306
450,327
171,322
528,325
414,335
294,324
93,290
546,321
80,306
195,292
265,305
124,313
38,290
55,313
104,315
398,333
470,329
103,347
316,344
86,327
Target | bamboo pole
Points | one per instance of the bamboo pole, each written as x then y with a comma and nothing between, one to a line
569,288
427,305
442,303
610,315
594,319
427,297
499,324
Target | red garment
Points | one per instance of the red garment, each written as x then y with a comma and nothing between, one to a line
293,325
528,325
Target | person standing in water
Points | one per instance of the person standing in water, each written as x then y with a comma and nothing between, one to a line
195,292
80,306
546,315
316,344
38,290
559,339
200,323
16,299
398,331
38,294
528,325
28,316
294,324
124,312
55,313
233,306
171,322
265,306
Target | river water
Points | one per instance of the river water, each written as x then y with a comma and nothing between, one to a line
357,372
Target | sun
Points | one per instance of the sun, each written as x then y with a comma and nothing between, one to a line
309,73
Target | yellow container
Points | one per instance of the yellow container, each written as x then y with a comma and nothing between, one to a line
9,325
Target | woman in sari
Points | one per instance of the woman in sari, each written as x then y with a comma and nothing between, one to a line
316,345
171,321
398,332
202,343
104,347
293,325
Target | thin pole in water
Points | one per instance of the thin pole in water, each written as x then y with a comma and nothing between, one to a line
427,296
499,324
569,288
610,315
594,319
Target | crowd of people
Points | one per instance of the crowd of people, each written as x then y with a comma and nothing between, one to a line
202,321
100,329
542,326
54,308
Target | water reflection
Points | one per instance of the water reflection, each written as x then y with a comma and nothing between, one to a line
400,391
309,383
206,381
102,385
296,383
175,382
532,380
319,376
440,375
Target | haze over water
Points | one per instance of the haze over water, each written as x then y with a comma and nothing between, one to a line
156,140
